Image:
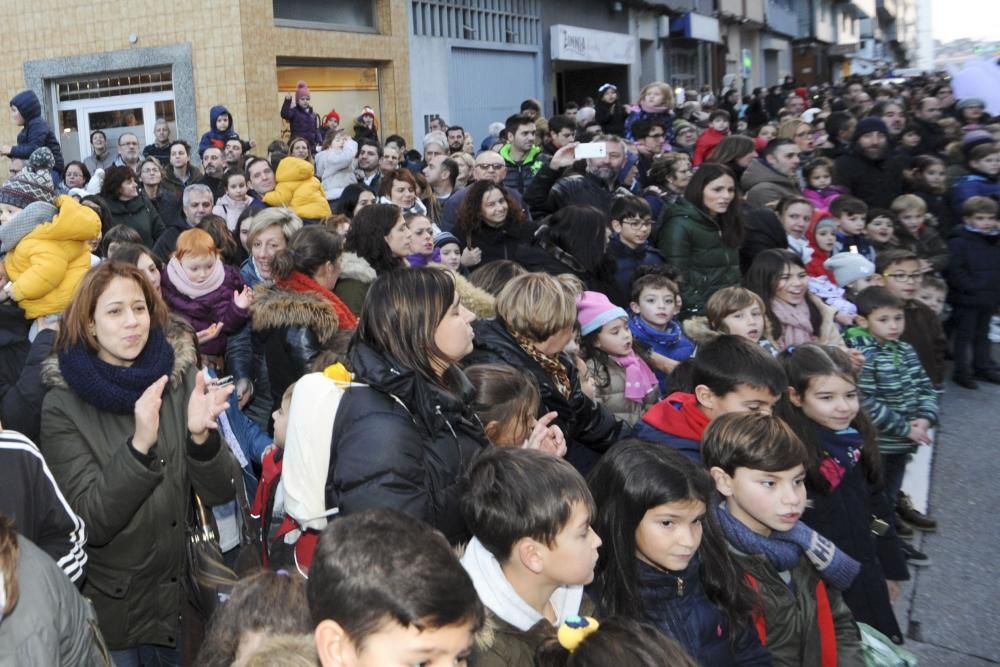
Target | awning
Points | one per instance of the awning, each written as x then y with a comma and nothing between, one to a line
696,26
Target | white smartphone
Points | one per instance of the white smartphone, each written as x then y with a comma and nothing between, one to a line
591,150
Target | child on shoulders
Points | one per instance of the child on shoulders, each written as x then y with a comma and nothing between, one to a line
818,174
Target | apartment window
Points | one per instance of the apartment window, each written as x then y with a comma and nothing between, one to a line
495,21
353,15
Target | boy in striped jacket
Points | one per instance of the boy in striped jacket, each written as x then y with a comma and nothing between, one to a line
896,391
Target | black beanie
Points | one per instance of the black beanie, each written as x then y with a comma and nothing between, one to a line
870,124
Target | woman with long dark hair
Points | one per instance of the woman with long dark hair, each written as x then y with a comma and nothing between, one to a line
130,206
736,152
128,429
404,440
490,220
779,278
701,236
378,242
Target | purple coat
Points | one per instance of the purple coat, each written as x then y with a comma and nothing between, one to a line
203,312
303,122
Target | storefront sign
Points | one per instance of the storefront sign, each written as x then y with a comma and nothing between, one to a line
592,46
843,49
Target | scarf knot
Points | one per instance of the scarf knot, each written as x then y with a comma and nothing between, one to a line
783,549
796,326
111,388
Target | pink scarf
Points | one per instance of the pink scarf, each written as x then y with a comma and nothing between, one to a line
796,327
639,379
190,289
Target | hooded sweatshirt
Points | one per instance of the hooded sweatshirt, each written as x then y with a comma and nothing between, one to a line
36,132
214,137
676,421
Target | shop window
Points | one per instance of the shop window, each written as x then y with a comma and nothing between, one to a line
354,15
347,89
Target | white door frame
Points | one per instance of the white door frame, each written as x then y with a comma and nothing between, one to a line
146,101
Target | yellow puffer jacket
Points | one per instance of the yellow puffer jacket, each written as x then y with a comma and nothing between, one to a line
47,265
299,189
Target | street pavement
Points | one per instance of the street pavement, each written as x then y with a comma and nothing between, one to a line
950,610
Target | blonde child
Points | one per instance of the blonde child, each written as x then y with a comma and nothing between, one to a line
210,295
913,230
734,311
626,385
234,201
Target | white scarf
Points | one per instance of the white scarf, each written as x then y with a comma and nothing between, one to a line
499,596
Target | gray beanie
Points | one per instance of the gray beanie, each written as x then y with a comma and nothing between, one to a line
848,267
33,183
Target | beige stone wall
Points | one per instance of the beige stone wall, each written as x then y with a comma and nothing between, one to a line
235,47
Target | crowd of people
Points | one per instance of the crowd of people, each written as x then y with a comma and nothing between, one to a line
633,384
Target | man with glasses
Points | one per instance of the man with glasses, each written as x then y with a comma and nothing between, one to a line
650,138
489,166
128,152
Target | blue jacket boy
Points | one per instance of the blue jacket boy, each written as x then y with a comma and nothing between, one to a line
36,132
216,137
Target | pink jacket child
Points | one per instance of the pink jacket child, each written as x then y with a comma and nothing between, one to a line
208,294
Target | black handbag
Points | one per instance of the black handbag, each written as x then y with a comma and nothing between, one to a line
208,579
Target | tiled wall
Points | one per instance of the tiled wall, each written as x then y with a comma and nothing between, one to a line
235,47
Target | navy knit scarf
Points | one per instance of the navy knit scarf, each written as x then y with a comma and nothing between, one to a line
111,388
783,549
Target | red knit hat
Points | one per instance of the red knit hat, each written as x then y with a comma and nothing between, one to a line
302,90
333,115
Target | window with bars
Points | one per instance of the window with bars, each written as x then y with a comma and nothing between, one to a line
115,84
494,21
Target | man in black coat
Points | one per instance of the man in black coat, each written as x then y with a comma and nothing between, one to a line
867,171
551,189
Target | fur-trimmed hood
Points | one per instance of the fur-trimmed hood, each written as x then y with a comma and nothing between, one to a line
697,329
479,301
355,267
274,308
179,337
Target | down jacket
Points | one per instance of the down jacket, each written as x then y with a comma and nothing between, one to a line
135,515
47,265
292,328
426,438
588,427
691,241
299,189
334,168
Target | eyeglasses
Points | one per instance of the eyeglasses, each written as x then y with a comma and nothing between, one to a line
904,277
490,167
639,223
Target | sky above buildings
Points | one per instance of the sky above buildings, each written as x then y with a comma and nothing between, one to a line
973,19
